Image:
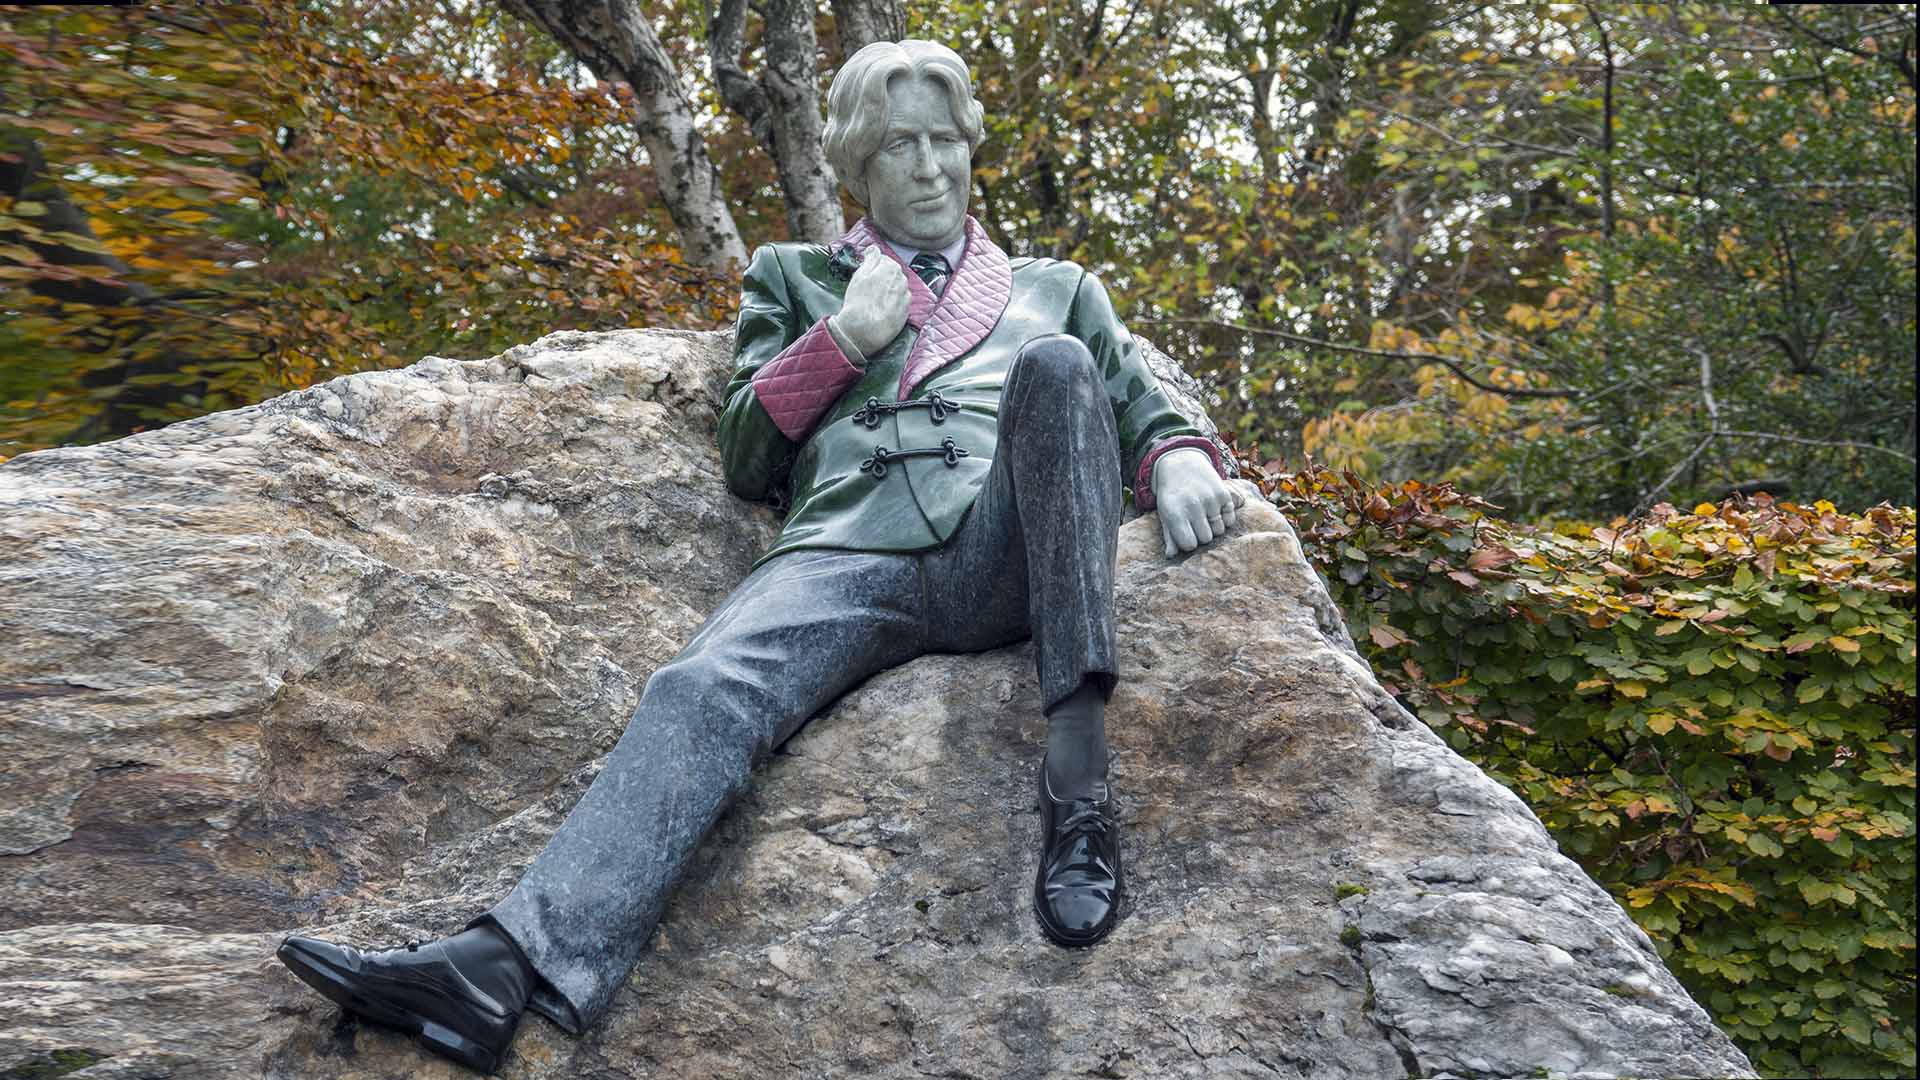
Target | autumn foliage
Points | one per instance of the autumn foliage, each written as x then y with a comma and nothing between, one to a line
1713,711
206,205
1577,259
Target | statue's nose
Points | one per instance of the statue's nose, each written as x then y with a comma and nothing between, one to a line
924,163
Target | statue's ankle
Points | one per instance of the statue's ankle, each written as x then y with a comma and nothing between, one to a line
490,959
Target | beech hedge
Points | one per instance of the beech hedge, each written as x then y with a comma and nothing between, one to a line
1712,712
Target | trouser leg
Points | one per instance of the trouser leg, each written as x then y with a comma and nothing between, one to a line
1037,550
801,630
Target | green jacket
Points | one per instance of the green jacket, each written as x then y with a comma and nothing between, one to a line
797,427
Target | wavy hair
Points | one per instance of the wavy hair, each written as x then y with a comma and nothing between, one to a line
857,102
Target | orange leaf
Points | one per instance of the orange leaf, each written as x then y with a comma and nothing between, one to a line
1386,636
1490,557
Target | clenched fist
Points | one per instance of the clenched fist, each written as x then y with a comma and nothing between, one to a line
1196,506
875,308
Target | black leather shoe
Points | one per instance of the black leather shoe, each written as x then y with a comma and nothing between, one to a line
418,989
1076,894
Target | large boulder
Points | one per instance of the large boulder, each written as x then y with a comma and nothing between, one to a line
340,662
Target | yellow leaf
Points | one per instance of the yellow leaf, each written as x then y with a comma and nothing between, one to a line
1632,689
1843,644
1660,723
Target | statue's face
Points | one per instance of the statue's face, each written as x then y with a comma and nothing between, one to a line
919,179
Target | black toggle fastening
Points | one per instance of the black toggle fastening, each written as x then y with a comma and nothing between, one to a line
877,464
937,407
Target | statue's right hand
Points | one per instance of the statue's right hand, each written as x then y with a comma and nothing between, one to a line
875,308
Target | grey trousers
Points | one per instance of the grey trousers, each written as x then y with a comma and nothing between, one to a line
1034,556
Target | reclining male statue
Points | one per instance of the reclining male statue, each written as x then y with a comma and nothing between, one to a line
951,429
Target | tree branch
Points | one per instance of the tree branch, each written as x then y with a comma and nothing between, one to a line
859,23
1845,443
781,106
616,42
1897,60
1435,358
726,37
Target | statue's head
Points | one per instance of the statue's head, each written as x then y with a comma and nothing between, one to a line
902,126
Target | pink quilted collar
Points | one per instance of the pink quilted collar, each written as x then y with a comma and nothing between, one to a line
958,319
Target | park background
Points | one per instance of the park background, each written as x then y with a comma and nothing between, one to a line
1577,341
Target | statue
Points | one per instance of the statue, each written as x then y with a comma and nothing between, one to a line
949,429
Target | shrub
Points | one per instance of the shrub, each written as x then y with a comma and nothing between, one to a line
1713,712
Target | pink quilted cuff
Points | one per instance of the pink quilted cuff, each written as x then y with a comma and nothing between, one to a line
804,381
1143,496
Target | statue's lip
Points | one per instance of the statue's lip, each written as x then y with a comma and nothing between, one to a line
942,197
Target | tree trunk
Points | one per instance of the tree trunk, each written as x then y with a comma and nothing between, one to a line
615,40
128,306
782,107
860,23
23,177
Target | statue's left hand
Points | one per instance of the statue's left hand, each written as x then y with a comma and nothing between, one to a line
1195,506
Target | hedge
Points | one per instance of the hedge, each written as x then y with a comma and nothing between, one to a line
1712,712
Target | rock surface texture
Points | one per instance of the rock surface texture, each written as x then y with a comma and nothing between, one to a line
340,663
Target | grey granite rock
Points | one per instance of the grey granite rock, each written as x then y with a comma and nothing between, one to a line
341,661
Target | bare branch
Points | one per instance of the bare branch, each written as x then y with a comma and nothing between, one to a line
1706,385
617,43
1660,489
1846,443
1897,60
781,106
726,37
1449,363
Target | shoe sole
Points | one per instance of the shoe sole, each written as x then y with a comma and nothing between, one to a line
434,1036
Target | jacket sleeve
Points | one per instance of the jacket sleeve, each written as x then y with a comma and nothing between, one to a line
1147,420
786,374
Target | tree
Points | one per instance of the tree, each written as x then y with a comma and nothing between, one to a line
781,103
117,131
1579,259
200,212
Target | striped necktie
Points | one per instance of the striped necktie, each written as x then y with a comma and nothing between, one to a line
932,268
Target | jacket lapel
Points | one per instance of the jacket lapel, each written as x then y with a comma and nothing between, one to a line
920,299
960,318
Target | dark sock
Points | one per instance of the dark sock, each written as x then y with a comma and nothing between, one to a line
492,960
1077,743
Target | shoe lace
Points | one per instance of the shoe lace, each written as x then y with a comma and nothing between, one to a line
1089,818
